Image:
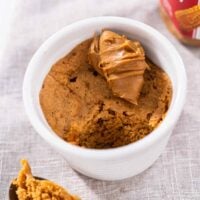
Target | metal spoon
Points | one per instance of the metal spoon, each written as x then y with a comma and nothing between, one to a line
13,189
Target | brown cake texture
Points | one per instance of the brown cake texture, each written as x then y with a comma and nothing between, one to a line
81,108
30,188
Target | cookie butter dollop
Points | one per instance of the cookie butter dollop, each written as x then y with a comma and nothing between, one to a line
34,189
121,61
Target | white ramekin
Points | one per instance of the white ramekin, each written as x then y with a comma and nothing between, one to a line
117,163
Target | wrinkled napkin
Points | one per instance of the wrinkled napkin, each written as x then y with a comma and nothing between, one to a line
175,175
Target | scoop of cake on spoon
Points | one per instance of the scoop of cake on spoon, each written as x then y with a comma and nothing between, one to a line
27,186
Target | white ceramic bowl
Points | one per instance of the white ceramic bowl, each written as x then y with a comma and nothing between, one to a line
117,163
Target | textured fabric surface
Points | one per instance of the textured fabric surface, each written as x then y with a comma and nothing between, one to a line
175,175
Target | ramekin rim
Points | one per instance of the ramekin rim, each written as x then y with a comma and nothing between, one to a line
140,145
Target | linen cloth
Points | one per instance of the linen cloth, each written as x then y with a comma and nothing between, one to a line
174,176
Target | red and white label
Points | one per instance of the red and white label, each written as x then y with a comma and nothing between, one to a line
171,6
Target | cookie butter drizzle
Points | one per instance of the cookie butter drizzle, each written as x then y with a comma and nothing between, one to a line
121,62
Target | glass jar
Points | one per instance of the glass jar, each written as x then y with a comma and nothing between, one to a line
182,18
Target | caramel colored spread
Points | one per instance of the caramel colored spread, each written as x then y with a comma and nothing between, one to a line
121,62
34,189
81,108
